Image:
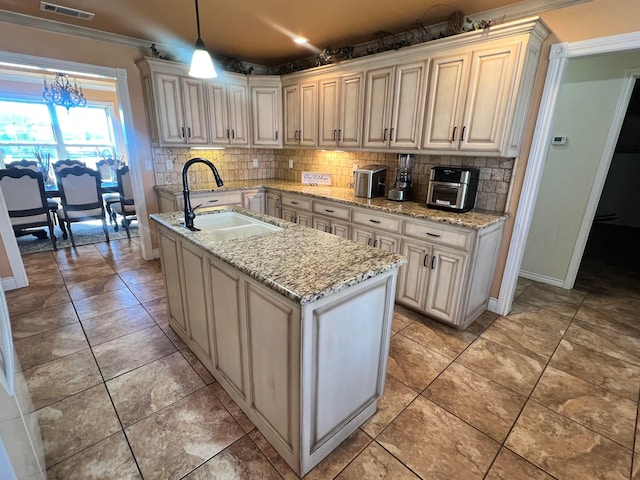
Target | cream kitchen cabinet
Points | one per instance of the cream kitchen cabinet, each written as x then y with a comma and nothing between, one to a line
254,200
341,100
332,218
297,209
376,230
300,114
228,102
273,204
394,106
471,98
449,270
180,116
250,199
266,113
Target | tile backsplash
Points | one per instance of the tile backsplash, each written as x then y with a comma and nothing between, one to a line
237,164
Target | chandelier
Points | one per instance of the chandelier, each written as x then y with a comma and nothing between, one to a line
61,92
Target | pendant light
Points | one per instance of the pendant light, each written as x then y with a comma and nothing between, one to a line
201,63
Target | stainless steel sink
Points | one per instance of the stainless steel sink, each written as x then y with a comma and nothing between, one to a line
232,225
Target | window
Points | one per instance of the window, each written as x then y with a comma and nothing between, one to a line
27,127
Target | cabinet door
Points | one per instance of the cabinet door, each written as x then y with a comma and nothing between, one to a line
308,124
362,235
169,105
408,106
265,103
377,107
413,278
218,114
253,201
196,122
489,95
290,96
303,218
289,215
322,224
350,110
169,256
341,229
387,243
445,102
445,284
238,114
328,112
274,206
196,303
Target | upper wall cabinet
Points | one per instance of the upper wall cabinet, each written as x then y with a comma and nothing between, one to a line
470,94
178,113
300,114
394,106
229,111
341,100
266,110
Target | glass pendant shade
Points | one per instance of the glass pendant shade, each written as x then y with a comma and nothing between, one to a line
201,63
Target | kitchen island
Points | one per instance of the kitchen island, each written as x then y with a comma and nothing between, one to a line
294,324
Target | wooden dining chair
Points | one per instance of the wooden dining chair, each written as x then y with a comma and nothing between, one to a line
24,195
125,207
105,167
61,164
81,197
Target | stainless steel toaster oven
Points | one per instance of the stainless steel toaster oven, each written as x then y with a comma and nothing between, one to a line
453,188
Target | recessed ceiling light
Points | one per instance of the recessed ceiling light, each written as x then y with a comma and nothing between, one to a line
301,40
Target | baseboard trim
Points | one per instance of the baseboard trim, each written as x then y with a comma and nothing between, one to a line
536,277
493,305
155,253
9,283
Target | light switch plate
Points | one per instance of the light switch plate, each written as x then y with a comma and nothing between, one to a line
169,165
255,163
291,163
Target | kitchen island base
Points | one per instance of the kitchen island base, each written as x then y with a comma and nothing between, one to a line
306,374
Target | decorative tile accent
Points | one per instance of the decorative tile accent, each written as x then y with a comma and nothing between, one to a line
566,449
435,444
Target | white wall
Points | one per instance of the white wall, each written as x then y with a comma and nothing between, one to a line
585,107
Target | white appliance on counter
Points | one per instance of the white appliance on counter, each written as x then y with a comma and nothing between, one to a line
21,453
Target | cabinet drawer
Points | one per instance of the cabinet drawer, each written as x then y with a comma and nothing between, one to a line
210,199
332,210
436,233
376,221
298,203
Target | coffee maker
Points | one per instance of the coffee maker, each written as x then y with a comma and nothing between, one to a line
402,189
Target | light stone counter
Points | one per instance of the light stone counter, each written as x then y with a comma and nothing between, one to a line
474,219
301,263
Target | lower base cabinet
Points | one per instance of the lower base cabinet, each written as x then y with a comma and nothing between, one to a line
306,375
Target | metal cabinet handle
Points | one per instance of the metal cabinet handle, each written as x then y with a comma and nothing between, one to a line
424,261
277,203
437,235
182,132
339,134
329,211
384,135
233,134
375,243
327,229
374,221
369,241
276,135
462,136
294,203
391,135
213,200
433,262
453,135
334,134
189,131
228,133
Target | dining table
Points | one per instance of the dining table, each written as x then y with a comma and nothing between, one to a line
108,186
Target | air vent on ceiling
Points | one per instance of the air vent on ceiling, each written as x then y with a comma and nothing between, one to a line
69,12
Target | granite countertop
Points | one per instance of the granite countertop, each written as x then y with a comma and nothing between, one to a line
474,219
301,263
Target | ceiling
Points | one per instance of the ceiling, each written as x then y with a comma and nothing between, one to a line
258,31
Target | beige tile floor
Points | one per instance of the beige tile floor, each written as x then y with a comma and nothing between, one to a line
550,391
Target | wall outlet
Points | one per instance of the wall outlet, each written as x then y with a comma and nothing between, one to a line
169,165
291,163
255,163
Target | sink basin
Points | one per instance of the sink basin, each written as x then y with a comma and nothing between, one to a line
232,225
